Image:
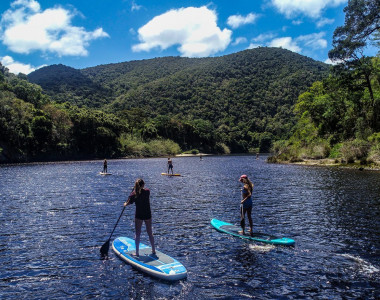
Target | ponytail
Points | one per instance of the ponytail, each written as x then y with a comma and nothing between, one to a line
250,185
139,184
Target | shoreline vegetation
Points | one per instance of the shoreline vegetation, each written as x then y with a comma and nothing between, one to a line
329,162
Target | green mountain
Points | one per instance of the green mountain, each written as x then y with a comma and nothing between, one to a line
247,97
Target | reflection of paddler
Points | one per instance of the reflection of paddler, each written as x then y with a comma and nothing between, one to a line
105,166
170,165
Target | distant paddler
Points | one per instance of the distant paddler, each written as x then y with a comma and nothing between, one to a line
105,166
170,165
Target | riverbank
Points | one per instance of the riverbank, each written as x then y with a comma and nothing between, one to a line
328,162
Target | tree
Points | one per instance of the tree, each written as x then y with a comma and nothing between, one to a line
362,24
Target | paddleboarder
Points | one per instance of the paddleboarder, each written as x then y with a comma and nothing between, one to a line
141,197
170,165
105,166
246,203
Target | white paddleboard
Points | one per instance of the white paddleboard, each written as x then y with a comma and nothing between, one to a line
159,265
102,173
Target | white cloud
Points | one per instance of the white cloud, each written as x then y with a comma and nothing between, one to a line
253,45
26,28
286,43
314,41
324,21
297,22
239,40
17,67
311,8
264,37
194,29
135,6
236,21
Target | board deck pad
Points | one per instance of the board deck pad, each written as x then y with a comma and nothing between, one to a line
159,265
257,236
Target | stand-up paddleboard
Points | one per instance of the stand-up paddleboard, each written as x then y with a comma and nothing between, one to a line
102,173
168,174
257,236
160,265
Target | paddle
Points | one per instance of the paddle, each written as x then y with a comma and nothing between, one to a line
106,245
104,249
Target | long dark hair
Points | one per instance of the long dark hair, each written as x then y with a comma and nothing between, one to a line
139,184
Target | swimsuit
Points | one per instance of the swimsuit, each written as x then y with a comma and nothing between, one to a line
247,203
142,204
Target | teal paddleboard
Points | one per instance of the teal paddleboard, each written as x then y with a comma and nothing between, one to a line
159,265
257,236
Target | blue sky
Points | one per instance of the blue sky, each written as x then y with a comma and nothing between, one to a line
84,33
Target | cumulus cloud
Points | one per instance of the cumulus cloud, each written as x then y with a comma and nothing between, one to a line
314,41
17,67
324,21
194,29
311,8
264,37
236,21
26,28
239,40
285,42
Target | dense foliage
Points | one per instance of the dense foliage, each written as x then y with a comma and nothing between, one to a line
235,103
339,117
34,128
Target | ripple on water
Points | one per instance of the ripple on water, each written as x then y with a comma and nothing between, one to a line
54,217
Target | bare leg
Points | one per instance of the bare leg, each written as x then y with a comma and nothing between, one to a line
249,214
242,221
148,225
138,224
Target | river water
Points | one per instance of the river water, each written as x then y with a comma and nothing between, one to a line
54,217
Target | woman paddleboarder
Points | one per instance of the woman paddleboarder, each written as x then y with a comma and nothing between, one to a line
246,203
140,196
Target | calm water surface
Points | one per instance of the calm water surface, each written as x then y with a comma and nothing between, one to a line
54,218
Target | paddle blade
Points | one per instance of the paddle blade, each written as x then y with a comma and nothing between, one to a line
242,223
104,249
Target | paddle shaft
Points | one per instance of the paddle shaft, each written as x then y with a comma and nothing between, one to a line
117,222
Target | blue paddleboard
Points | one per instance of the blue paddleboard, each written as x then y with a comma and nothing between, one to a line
160,265
257,236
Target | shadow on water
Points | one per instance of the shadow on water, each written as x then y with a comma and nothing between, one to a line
54,218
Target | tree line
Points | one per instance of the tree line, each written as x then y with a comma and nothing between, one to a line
339,117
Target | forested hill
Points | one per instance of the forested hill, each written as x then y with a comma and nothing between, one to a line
247,97
175,84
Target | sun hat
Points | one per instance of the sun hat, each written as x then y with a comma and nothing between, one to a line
243,176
